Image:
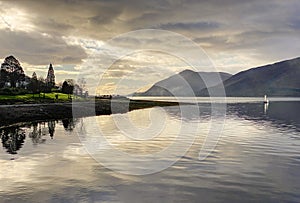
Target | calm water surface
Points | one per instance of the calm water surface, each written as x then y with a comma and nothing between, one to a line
256,159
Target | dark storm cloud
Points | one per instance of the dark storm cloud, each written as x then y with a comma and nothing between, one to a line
190,26
37,49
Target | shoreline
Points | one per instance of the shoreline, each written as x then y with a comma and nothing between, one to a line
19,113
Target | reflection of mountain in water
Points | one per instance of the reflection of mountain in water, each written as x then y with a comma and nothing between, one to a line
13,137
279,114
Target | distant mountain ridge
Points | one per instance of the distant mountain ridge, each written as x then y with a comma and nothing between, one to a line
185,83
278,79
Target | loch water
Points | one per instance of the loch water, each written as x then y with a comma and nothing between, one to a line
256,157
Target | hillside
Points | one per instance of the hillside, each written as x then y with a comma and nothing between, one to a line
185,83
278,79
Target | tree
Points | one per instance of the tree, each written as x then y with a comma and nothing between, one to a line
11,71
68,87
34,76
50,80
33,85
81,85
36,86
3,78
43,87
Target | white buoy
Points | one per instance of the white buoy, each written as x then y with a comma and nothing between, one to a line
266,101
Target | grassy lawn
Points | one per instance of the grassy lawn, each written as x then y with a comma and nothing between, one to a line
30,98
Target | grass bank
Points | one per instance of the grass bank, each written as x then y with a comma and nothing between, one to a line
37,98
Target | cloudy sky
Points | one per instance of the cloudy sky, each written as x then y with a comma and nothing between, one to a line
76,36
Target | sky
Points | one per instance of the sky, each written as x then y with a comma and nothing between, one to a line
82,38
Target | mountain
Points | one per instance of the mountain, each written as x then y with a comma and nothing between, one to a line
185,83
278,79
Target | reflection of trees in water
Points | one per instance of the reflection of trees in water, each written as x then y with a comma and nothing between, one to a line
69,124
51,128
12,139
37,133
40,130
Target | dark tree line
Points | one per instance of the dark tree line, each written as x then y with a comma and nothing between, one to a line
36,86
12,75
